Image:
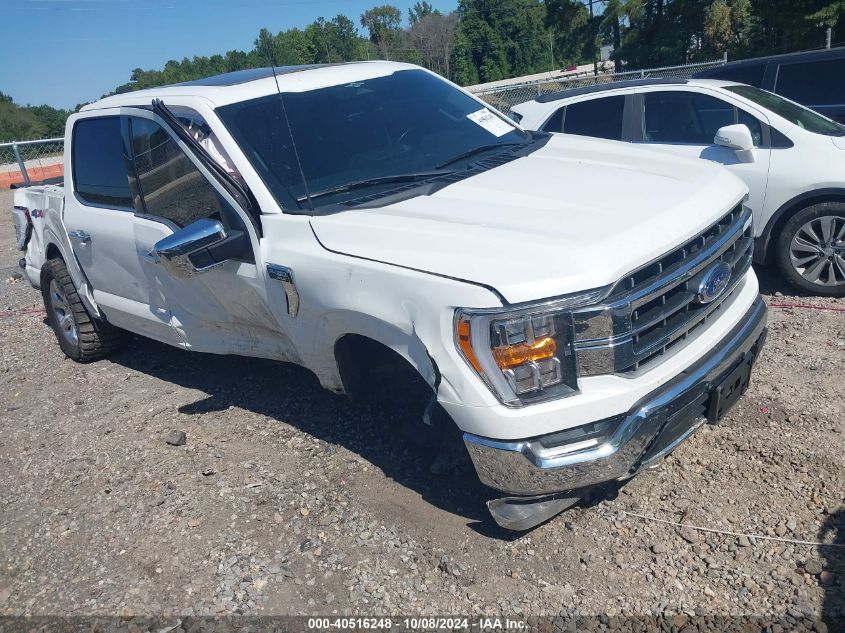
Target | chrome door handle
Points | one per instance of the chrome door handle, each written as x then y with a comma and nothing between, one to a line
79,236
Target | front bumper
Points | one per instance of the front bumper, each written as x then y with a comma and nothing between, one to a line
616,448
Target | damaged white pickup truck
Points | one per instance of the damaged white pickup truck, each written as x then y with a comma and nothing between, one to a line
576,307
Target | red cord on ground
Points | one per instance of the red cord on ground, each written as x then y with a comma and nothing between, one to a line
805,306
21,312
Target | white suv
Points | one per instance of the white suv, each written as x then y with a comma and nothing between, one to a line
792,159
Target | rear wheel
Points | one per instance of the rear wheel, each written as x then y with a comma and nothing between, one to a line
810,250
81,337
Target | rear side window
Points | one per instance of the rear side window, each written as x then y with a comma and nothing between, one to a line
168,184
813,83
99,163
684,117
601,118
751,74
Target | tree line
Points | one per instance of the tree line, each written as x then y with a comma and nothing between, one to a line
20,123
489,40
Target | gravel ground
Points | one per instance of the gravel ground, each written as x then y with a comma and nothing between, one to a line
286,499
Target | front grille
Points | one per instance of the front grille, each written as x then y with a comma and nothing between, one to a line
656,307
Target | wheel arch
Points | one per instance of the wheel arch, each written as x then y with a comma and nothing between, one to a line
361,359
763,247
52,251
55,248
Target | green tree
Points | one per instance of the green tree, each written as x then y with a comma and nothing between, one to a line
433,37
574,38
334,41
419,11
504,38
23,123
383,24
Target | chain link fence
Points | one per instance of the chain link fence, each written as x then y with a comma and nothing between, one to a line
25,162
504,98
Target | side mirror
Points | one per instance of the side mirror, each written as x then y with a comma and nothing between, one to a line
190,250
738,138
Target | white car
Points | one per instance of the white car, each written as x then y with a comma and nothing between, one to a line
792,159
390,232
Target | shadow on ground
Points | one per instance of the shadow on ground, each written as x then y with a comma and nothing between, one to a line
292,394
771,282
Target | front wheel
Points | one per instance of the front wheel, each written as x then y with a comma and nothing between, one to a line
810,249
81,337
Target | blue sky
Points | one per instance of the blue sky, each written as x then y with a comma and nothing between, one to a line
64,52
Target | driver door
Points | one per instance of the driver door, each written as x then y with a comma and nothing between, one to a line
224,308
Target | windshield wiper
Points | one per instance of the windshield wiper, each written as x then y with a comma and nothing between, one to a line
358,184
474,151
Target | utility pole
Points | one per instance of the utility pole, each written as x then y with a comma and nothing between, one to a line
552,50
593,43
829,33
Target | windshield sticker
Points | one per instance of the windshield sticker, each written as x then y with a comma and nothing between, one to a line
490,122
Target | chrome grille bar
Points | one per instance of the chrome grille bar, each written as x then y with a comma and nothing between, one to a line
656,306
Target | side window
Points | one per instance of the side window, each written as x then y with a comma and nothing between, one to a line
684,117
813,83
99,163
779,140
168,184
555,122
601,118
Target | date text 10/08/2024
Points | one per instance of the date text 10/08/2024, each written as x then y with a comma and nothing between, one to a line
417,624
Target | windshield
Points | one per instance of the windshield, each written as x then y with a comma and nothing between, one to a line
792,112
406,125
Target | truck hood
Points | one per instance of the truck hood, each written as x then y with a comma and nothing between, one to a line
575,215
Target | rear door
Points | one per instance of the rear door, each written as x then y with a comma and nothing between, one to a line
685,122
99,216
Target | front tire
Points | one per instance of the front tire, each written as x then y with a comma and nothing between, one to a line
81,337
810,249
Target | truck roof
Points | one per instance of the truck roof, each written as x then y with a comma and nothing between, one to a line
256,82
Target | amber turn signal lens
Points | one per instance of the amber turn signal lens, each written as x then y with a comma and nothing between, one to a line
516,355
465,343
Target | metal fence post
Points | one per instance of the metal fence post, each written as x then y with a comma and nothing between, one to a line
21,164
539,89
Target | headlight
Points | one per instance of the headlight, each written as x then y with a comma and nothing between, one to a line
523,354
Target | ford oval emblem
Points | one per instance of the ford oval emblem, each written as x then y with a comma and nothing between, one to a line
714,282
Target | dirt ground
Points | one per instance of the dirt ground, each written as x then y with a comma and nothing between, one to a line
288,500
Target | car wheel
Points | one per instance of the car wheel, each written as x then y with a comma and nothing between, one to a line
81,337
810,250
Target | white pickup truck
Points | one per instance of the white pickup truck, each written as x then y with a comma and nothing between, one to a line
575,307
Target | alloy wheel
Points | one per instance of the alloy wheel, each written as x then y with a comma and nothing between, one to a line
62,313
817,251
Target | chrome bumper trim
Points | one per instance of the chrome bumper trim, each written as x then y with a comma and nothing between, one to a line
526,467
